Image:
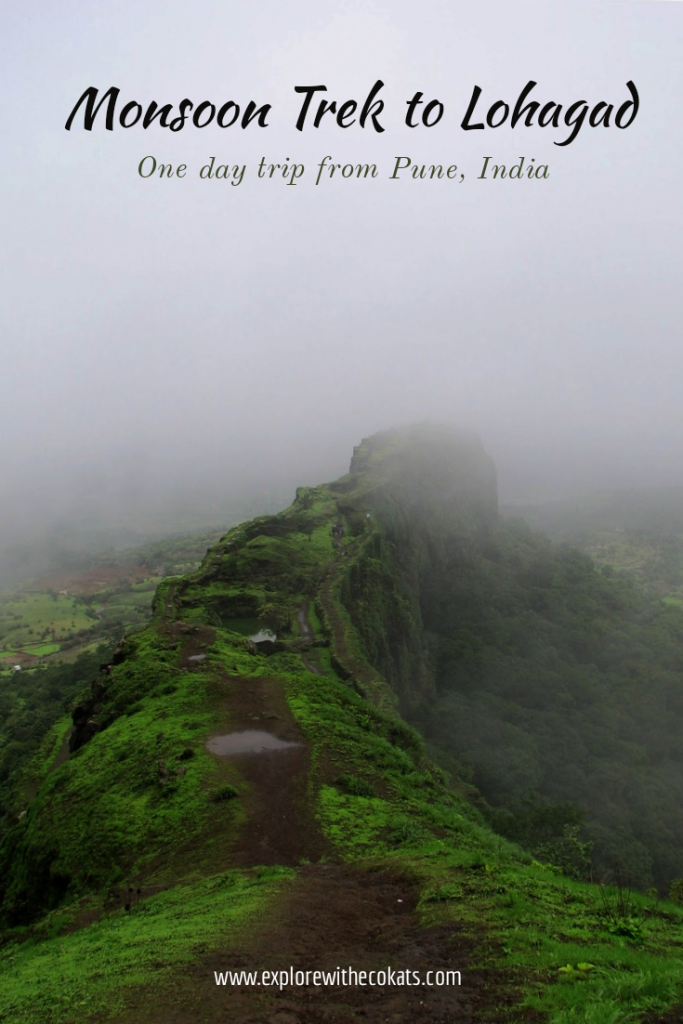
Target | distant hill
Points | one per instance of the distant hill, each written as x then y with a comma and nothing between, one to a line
652,510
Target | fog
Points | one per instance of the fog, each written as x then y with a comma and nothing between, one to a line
173,348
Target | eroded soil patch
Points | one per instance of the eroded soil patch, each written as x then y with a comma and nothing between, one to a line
280,826
337,916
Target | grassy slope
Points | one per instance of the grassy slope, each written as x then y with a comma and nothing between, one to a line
74,615
107,820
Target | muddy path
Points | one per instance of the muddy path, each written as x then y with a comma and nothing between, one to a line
307,634
304,624
329,916
280,826
337,916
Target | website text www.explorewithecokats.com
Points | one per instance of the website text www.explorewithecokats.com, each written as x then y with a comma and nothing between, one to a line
346,976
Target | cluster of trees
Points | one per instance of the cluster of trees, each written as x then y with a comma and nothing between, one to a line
30,703
542,674
556,678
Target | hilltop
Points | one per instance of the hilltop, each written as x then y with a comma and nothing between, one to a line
142,861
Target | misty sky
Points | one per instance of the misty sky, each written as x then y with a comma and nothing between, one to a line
170,337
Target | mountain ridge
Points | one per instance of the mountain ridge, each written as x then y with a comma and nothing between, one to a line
142,820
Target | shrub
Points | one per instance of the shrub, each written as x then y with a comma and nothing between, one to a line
224,793
676,891
354,786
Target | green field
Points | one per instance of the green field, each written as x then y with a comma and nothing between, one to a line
42,650
30,620
109,596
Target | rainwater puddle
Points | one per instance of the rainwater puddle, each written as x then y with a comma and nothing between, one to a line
250,742
196,657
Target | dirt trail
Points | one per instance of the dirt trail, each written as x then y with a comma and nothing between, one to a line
335,916
308,635
280,827
330,916
304,624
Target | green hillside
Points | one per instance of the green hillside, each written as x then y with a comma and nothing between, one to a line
140,862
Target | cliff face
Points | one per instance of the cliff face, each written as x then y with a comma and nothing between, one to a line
433,475
517,658
430,493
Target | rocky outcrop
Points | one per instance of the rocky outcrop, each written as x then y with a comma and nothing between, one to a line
85,716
